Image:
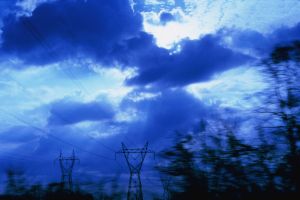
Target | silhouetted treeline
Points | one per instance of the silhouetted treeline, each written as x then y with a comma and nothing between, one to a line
218,163
17,188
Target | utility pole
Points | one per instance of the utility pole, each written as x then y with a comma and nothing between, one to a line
66,166
135,158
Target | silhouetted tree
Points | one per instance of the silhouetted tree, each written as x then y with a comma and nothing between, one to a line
188,181
15,183
282,108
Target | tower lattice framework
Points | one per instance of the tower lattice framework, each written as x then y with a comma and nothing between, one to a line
135,158
67,164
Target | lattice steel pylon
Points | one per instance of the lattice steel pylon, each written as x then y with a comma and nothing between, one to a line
135,158
66,166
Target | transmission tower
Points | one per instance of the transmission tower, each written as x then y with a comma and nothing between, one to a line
66,166
135,158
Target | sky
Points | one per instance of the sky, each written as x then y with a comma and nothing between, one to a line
90,74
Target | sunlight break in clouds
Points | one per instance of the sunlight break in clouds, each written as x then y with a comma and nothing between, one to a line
208,16
25,91
90,74
234,88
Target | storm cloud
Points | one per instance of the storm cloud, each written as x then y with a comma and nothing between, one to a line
71,112
197,61
262,44
164,114
61,29
110,32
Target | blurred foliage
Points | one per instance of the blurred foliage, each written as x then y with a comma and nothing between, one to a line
215,162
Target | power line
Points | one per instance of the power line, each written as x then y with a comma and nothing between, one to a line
135,158
66,166
53,136
38,36
39,129
47,47
23,156
59,116
13,157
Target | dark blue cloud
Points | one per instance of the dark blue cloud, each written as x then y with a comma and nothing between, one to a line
17,146
34,151
163,115
197,61
19,134
166,17
111,32
263,44
61,29
172,110
70,112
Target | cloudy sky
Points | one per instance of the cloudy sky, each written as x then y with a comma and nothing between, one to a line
90,74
